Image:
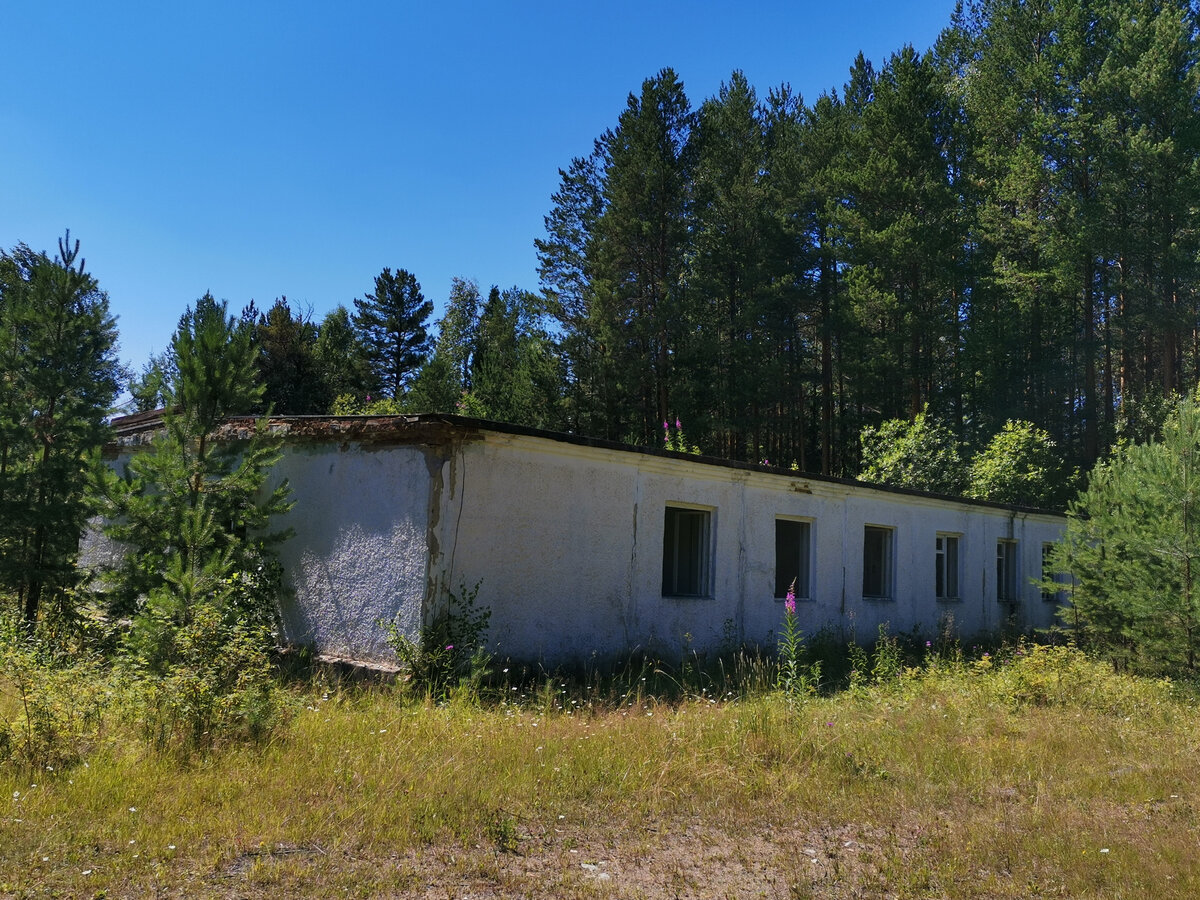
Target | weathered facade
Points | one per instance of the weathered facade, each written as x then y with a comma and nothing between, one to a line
588,549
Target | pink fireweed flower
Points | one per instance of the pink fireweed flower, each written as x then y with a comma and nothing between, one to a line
790,603
449,646
678,424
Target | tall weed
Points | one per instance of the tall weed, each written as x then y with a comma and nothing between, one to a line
53,705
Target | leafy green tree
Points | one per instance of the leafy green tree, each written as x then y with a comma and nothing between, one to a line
391,323
922,454
59,376
436,388
1132,547
458,330
1020,466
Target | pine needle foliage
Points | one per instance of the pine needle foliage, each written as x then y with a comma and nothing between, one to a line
1132,547
200,581
391,322
58,378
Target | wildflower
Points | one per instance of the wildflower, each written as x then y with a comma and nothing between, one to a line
449,646
678,424
789,602
929,643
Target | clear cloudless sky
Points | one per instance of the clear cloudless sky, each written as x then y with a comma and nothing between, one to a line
257,149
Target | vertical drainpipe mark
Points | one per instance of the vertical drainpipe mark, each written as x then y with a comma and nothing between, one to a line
436,459
629,607
460,454
845,523
739,621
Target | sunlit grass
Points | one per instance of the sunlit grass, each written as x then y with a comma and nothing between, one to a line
1040,775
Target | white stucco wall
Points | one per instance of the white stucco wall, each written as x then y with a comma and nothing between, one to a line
567,541
359,552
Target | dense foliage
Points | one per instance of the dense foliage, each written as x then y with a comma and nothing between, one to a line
198,580
58,378
1133,548
1002,228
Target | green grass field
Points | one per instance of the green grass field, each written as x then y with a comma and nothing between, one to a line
1042,775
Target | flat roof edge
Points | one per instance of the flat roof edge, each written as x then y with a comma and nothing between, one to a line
427,428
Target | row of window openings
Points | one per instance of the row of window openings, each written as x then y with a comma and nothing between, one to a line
686,539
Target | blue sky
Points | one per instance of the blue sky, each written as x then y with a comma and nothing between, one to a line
258,150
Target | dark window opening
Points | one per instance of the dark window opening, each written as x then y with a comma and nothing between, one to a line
685,552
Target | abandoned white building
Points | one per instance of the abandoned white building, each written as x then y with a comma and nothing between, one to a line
586,548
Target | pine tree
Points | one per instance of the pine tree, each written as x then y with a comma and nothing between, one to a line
733,320
287,362
515,375
199,580
59,376
391,323
639,248
1132,546
192,510
342,360
566,267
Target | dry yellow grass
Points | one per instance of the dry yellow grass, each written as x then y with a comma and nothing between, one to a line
1046,776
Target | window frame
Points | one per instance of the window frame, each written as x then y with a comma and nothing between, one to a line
886,565
1008,571
947,566
700,552
803,578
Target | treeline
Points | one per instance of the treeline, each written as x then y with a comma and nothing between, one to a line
1003,228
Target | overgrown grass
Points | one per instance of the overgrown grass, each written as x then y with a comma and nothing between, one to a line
1032,772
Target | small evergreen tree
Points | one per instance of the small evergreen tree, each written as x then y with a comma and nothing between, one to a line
1132,547
391,324
342,359
199,579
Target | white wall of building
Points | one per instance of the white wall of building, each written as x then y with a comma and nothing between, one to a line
567,543
565,540
359,551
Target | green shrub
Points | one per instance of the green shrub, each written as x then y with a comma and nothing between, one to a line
52,704
452,651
